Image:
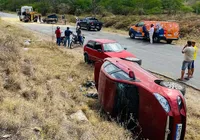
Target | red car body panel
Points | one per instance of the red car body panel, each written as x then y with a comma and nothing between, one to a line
151,115
95,55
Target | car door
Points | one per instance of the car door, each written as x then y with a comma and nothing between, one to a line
90,50
98,51
139,30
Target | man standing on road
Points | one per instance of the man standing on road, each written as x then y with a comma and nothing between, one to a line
67,37
188,52
195,57
78,31
144,29
58,36
151,32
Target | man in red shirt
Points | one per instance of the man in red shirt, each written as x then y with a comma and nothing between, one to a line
58,36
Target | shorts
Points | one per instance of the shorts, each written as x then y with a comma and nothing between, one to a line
186,64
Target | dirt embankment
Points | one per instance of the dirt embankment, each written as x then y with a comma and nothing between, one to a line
41,86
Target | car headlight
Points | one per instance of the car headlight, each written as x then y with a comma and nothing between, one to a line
179,101
164,103
133,59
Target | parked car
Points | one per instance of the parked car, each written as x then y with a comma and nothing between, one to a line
99,49
53,18
164,30
131,94
90,23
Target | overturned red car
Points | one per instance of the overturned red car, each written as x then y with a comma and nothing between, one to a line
131,94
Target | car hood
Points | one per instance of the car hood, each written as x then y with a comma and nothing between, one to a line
122,54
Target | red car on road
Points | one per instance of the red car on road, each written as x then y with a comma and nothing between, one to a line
131,94
99,49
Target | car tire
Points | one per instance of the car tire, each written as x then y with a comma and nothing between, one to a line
173,85
132,36
169,41
86,59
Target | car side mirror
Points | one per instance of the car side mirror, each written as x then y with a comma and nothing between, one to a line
99,50
125,48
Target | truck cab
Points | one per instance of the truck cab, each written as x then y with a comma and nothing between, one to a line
23,13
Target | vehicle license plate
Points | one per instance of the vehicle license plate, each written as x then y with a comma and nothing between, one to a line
169,35
178,131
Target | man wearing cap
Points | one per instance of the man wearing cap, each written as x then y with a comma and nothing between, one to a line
151,32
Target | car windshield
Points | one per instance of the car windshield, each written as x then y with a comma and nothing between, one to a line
113,47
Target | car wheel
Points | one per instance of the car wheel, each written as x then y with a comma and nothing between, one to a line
156,39
173,85
132,36
169,41
86,59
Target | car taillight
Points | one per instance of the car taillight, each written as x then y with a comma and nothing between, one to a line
165,31
131,74
91,23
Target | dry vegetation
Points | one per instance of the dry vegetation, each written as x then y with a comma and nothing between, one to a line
40,89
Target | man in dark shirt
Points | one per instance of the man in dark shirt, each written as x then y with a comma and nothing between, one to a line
78,31
58,35
144,29
67,36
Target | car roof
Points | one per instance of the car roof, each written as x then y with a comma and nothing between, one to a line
154,22
104,41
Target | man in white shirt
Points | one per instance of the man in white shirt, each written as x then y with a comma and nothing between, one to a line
151,32
188,52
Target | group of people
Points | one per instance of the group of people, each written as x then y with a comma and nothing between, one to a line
190,54
67,35
149,34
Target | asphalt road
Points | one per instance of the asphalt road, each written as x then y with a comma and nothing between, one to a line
165,59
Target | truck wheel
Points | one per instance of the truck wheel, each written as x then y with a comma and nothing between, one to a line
132,36
169,41
173,85
88,28
98,29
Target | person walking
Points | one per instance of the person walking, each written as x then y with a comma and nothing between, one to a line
58,36
67,37
151,32
188,52
194,58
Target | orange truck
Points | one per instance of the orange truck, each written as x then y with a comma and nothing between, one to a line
164,30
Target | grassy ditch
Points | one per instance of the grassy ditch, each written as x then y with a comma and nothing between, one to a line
40,87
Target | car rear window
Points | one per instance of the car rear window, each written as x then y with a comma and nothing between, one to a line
110,68
115,72
121,75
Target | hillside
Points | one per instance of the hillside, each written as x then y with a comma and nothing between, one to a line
41,86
